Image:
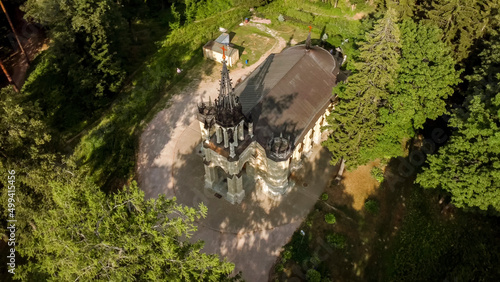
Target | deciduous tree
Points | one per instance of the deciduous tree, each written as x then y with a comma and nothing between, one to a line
468,166
425,79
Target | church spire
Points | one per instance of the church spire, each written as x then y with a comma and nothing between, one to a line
229,109
308,40
226,95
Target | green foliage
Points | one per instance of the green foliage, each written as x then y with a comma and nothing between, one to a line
177,18
82,69
375,117
372,206
286,255
315,260
336,240
297,249
207,8
304,17
279,267
324,196
463,21
406,9
330,218
313,275
468,165
354,122
429,247
424,81
87,235
23,134
377,173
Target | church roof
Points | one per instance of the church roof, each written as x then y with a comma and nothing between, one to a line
217,48
223,39
288,92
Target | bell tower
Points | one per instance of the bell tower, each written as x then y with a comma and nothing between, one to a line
229,118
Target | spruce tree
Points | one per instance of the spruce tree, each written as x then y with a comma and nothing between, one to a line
86,235
354,122
463,21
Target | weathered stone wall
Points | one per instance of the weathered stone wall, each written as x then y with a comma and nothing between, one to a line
275,174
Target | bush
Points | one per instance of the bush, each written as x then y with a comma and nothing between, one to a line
372,206
279,267
314,260
287,254
330,218
336,240
313,276
377,173
324,196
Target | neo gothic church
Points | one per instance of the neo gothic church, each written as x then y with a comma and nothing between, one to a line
259,131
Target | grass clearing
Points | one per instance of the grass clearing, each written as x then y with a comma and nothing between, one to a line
252,43
293,33
359,184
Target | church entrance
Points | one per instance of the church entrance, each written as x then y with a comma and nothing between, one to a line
220,186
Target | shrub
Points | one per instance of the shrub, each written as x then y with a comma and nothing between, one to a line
309,222
324,196
330,218
336,240
372,206
315,261
313,276
279,267
287,254
377,173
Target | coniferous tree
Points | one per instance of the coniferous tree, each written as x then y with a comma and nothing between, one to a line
462,22
83,67
86,235
354,122
404,8
468,166
424,80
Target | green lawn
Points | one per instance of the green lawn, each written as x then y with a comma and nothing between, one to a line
252,43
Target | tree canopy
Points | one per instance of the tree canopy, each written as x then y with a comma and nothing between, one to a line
354,122
471,158
424,80
87,235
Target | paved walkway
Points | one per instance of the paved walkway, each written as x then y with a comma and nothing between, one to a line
250,234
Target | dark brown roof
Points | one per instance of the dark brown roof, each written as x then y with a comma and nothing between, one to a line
288,92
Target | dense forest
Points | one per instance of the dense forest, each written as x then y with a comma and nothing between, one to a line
69,136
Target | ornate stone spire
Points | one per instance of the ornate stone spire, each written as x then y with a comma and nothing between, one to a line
226,94
308,40
227,104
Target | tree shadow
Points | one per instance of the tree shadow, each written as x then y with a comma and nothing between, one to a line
108,150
